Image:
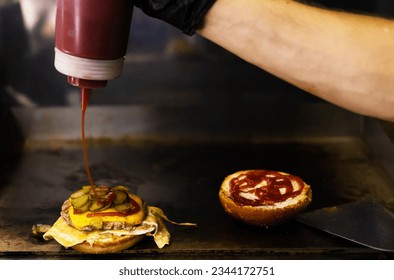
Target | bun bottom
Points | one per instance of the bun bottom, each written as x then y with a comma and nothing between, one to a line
110,244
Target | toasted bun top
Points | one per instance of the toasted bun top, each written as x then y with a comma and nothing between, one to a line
264,188
264,197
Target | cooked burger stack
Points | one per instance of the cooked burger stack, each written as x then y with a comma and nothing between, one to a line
105,220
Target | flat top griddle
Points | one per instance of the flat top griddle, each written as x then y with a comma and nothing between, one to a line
183,178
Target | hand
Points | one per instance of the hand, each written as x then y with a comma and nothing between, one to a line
185,15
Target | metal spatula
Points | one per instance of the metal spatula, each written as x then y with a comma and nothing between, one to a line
365,222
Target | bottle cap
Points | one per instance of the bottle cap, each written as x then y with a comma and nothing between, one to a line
88,69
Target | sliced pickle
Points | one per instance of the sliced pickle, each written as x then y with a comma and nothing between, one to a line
86,189
85,199
96,222
80,200
81,192
124,207
120,197
101,191
77,194
105,206
95,205
120,188
83,208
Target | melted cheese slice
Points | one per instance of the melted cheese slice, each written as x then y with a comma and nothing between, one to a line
81,220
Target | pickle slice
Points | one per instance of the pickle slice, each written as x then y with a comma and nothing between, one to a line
80,200
101,191
120,197
124,207
95,206
83,208
85,199
96,222
86,189
120,188
104,207
77,194
81,192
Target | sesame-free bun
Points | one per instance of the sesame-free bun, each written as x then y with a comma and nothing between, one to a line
108,244
245,195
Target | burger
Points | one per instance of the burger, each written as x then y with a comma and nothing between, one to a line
99,220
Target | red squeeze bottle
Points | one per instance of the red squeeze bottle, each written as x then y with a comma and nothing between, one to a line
91,39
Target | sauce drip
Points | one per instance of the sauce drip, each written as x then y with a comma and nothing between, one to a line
264,187
85,93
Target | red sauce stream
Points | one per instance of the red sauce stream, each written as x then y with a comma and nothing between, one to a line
135,207
268,193
86,92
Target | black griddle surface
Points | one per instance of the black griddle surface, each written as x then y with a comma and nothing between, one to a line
183,179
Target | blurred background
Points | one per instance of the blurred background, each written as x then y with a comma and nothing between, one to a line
162,66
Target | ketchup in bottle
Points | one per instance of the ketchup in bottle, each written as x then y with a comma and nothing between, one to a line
91,39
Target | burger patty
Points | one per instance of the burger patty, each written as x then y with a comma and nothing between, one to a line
106,225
